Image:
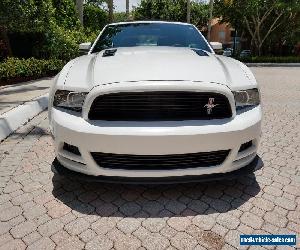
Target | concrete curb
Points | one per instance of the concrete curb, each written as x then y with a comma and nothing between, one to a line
15,118
273,64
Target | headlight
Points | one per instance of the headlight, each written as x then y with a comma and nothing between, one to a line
246,98
69,100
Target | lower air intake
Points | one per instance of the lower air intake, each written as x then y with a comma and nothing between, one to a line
160,162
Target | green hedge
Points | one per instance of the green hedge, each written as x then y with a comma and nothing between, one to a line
25,68
271,59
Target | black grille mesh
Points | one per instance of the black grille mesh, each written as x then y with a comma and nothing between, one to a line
159,106
159,162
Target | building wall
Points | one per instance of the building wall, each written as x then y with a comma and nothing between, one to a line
221,33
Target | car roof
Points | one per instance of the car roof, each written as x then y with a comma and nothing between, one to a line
148,21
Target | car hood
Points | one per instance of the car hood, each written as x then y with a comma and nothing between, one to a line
156,64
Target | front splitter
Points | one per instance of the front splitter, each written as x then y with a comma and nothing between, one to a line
256,164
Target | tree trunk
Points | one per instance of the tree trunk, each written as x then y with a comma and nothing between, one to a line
110,5
4,36
188,11
259,50
211,6
127,9
79,6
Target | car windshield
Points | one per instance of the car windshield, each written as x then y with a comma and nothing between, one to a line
150,34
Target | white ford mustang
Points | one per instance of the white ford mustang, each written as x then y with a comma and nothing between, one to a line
152,102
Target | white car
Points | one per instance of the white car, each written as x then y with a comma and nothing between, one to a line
152,102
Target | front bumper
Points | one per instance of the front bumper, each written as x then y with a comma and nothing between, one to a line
155,138
254,165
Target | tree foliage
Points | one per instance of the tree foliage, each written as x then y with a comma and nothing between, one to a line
261,19
65,14
23,16
199,14
120,17
172,10
94,18
37,15
54,24
99,3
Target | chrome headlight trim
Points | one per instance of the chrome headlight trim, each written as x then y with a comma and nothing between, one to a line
69,100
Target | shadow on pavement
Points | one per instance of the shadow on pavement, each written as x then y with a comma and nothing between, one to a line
5,129
24,82
154,201
21,90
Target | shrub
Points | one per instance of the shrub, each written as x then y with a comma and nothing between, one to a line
21,68
64,43
45,29
270,59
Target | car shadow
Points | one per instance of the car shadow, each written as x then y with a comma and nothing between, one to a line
154,201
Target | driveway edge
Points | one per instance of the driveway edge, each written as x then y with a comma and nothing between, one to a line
273,64
18,116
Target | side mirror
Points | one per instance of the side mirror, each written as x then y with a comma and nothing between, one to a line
85,47
216,45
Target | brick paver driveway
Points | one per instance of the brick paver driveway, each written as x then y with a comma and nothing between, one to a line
42,211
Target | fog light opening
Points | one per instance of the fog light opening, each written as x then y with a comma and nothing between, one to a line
245,146
71,148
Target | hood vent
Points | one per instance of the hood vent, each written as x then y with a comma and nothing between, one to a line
109,52
200,52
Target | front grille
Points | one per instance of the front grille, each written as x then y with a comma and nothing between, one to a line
160,162
159,106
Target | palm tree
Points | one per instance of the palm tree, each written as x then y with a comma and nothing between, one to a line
79,6
188,11
110,5
127,9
